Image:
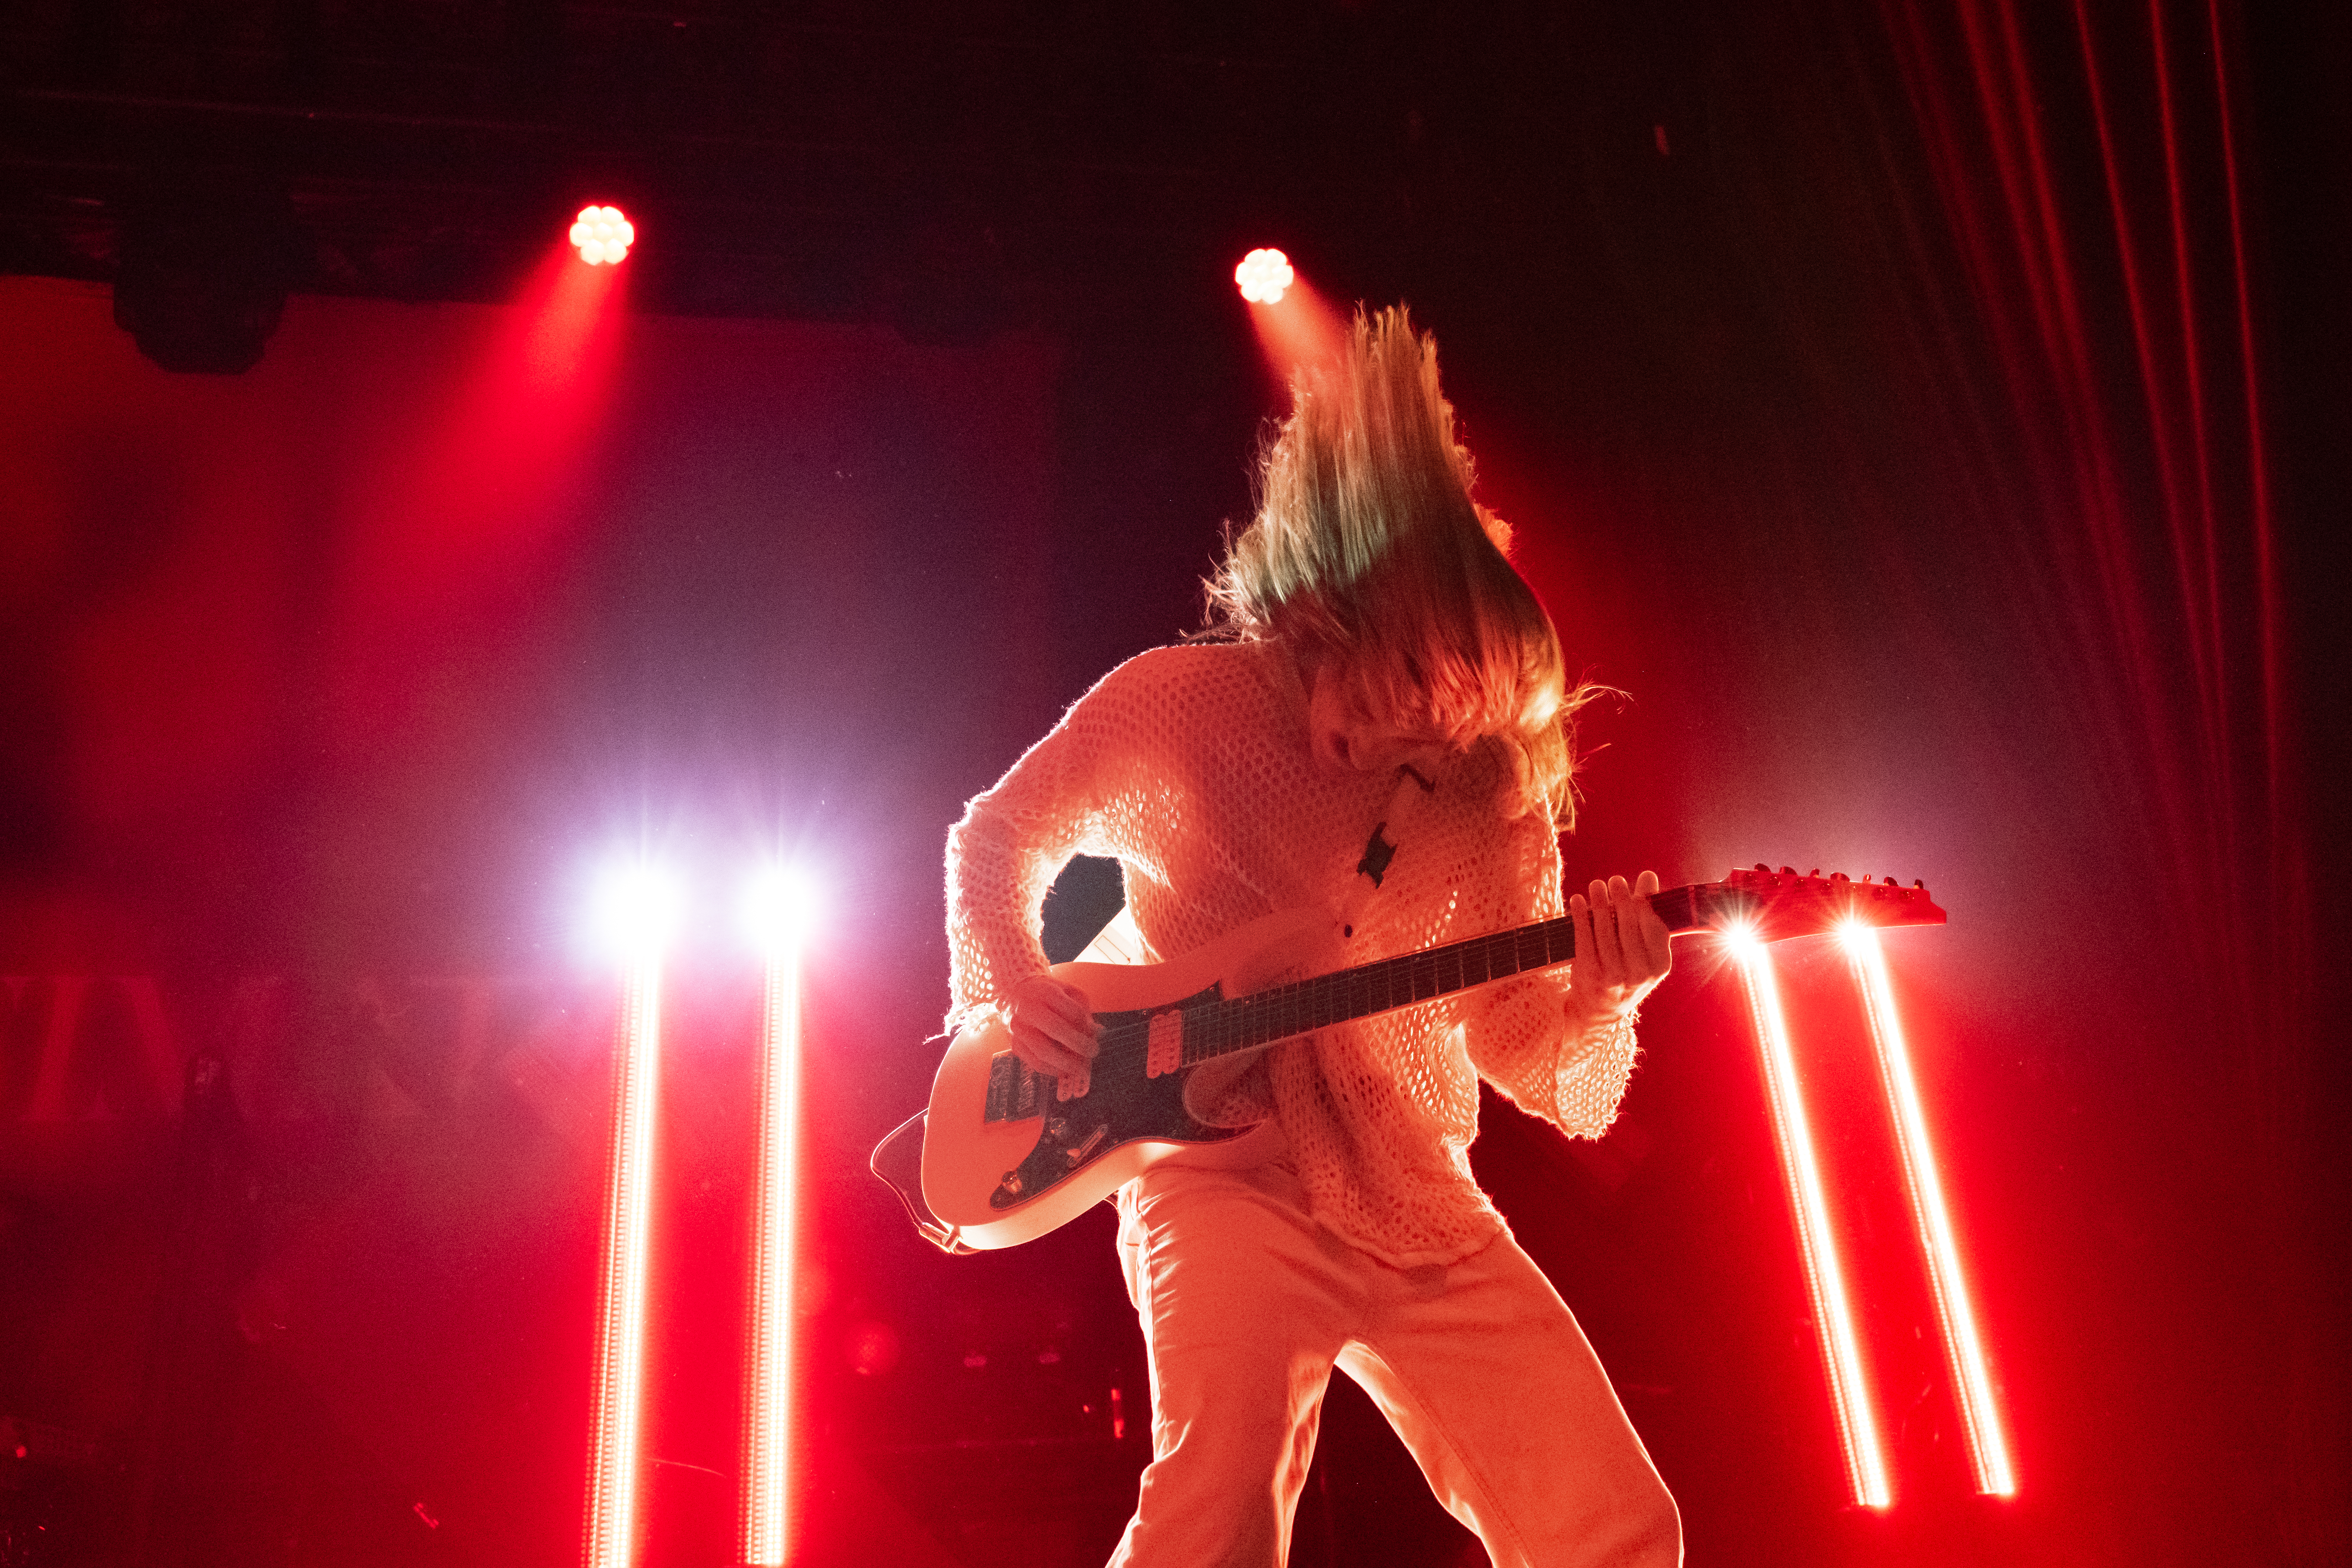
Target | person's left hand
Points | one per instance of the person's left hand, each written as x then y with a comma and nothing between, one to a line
1621,950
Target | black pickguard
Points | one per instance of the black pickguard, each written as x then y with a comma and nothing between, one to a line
1121,1105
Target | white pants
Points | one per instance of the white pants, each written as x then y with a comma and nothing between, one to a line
1246,1306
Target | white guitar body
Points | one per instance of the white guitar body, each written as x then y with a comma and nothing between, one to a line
1126,1121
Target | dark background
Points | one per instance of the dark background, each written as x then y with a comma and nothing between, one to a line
1868,385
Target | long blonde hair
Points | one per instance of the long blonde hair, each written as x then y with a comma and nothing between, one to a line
1369,552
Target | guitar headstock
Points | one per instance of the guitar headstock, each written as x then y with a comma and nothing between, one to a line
1773,905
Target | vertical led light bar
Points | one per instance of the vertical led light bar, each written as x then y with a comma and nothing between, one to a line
637,909
1866,1458
769,1359
1963,1348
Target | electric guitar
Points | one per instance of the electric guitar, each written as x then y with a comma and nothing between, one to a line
998,1159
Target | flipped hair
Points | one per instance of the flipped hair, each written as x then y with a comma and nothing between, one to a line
1368,552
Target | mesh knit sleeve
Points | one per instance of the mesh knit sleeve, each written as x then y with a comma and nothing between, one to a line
1518,1039
1072,793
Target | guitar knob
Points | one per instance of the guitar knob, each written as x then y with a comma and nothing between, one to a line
1788,871
1893,883
1815,875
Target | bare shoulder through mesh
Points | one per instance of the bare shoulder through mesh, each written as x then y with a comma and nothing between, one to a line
1191,765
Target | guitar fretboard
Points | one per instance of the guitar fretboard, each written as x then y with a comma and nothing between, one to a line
1244,1023
1226,1024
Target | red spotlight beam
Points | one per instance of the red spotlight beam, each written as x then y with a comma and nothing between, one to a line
1865,1456
1954,1311
463,521
1297,327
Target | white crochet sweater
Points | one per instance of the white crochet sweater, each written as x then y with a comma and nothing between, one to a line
1191,765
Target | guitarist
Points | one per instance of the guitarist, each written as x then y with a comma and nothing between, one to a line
1377,725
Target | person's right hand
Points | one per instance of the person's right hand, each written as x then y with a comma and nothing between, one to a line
1054,1030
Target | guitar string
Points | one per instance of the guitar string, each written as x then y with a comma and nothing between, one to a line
1264,1018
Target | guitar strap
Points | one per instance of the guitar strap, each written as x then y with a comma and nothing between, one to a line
1381,848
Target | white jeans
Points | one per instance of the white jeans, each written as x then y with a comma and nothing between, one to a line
1247,1304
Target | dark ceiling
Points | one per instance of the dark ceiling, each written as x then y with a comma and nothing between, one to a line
953,168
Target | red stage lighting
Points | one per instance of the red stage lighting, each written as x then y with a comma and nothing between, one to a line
781,910
603,235
1963,1347
1264,275
639,910
1865,1456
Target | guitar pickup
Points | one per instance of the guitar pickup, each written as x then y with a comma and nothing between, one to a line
1013,1092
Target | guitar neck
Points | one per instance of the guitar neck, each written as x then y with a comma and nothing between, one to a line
1764,905
1244,1023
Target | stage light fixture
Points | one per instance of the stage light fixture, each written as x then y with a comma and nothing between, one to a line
637,907
781,908
637,910
1264,275
1955,1311
603,235
1866,1458
202,271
